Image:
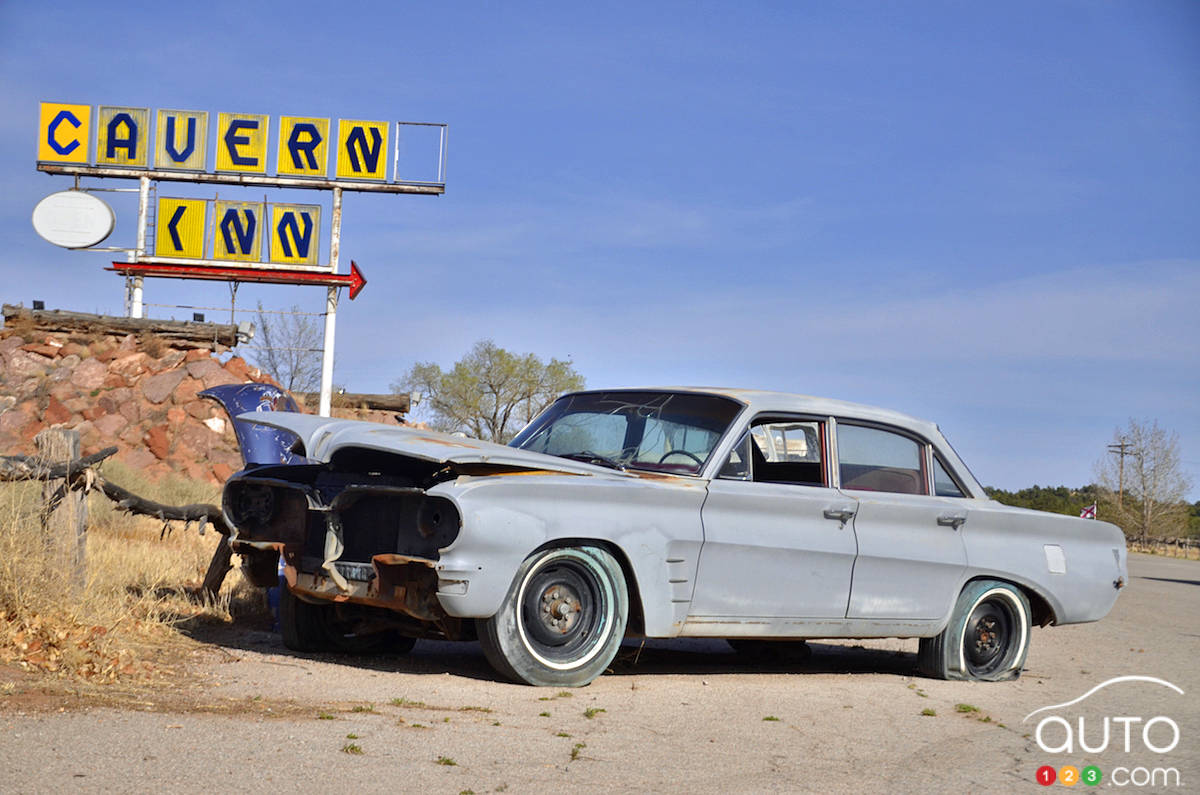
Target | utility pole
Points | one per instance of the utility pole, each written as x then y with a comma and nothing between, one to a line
1121,449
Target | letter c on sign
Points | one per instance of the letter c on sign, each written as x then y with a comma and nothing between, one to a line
52,132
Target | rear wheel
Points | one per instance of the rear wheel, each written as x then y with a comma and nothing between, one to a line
987,638
562,621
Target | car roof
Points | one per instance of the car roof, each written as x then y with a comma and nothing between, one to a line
764,401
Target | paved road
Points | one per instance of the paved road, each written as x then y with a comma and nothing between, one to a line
681,716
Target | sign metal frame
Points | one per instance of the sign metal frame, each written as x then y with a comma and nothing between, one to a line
141,265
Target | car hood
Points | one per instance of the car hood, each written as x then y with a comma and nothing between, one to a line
322,437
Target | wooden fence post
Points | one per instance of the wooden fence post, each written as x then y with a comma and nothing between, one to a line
65,524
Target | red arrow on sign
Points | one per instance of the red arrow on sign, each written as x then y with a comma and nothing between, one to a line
221,273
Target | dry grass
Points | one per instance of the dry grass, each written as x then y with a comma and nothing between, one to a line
142,585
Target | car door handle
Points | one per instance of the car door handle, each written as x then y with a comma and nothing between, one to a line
842,513
955,520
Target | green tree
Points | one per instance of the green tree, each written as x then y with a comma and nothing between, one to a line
1143,483
490,393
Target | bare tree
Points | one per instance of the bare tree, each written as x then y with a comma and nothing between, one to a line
490,393
1143,484
289,347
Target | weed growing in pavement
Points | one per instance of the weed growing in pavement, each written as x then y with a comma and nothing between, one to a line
447,761
353,749
592,712
404,702
771,718
363,708
965,708
929,713
576,749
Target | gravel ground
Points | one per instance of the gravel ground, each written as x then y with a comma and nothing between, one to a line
675,716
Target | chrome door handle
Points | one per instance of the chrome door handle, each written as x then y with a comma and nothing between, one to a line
841,513
955,520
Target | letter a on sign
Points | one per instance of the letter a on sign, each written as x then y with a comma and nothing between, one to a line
180,228
303,147
121,135
363,149
63,132
295,233
182,141
237,231
242,143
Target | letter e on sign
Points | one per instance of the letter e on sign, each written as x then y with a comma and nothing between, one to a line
303,147
182,141
180,228
237,231
121,135
295,233
242,142
363,149
63,132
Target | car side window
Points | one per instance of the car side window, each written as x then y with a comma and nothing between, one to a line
944,484
779,451
737,466
872,459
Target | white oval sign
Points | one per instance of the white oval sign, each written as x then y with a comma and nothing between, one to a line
73,219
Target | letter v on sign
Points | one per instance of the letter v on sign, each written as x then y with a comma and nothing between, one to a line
180,228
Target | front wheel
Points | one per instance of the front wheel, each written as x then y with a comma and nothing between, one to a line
562,621
319,628
987,638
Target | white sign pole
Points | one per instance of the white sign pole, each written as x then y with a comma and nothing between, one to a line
135,303
331,302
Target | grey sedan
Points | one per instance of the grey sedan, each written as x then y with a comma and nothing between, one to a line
759,517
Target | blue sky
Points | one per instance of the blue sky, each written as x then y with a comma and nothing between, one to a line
985,215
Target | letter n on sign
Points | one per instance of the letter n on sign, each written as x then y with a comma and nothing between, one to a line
295,233
237,231
363,149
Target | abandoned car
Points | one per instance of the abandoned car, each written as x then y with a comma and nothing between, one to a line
758,517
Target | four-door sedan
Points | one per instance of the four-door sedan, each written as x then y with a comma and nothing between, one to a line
746,515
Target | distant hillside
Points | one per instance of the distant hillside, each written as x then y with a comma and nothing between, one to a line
1060,499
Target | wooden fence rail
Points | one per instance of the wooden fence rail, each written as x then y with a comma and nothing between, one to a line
75,477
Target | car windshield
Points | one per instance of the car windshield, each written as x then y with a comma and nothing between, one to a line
659,431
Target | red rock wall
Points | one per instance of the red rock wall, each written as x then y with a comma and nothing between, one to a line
136,393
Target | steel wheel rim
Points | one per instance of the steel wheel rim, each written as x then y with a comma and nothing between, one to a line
562,612
988,637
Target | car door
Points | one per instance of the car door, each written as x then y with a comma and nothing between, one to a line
911,555
777,538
